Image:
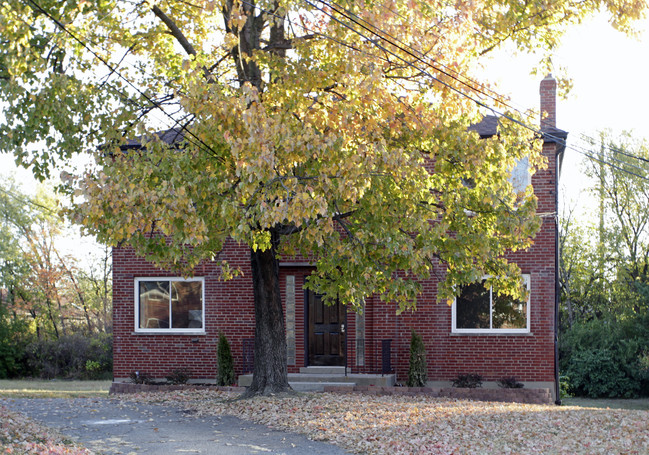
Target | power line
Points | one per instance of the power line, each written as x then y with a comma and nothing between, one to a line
603,161
154,103
614,149
422,57
408,50
28,201
412,52
582,150
418,56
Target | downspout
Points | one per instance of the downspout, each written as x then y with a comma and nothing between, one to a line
560,143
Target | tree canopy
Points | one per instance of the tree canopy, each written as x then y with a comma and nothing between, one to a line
308,127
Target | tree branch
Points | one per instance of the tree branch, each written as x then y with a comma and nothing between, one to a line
180,37
175,31
288,43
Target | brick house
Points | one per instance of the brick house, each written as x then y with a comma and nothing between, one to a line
178,320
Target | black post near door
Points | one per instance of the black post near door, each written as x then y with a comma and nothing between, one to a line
325,332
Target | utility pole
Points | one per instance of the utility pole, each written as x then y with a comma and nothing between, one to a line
600,246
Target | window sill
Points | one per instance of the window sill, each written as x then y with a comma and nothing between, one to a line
491,334
170,332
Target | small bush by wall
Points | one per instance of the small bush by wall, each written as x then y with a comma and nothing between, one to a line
510,382
468,381
225,362
417,370
179,376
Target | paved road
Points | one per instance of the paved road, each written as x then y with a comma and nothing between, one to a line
109,426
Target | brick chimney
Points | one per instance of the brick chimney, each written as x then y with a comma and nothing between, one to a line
548,92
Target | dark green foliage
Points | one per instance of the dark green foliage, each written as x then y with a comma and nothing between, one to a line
564,387
13,340
597,374
417,370
510,382
469,381
72,356
225,362
604,358
179,376
140,377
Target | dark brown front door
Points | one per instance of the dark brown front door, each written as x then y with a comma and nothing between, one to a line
326,339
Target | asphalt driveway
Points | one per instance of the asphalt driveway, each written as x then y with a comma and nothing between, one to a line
110,426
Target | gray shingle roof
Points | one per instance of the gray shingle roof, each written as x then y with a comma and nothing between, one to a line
170,136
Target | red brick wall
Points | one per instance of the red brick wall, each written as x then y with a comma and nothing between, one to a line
529,357
229,308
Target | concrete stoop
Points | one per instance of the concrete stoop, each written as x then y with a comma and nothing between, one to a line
316,379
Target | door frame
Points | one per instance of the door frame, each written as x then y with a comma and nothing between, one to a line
306,327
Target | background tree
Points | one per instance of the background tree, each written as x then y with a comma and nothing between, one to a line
604,339
52,310
306,128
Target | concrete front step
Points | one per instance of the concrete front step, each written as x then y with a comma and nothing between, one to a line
322,370
303,386
387,380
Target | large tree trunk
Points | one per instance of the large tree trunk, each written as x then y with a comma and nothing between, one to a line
270,373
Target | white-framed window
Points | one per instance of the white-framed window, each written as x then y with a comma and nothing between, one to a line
169,305
481,310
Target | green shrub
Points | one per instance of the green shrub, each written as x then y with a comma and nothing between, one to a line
598,374
469,381
417,370
564,387
14,335
179,376
93,369
604,358
140,377
68,356
225,375
510,382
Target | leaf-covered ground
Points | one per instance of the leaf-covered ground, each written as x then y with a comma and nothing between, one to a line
21,435
421,425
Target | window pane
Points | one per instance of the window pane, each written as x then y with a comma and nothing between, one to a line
520,177
154,304
186,305
509,313
472,307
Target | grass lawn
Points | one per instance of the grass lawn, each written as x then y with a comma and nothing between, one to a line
641,404
56,388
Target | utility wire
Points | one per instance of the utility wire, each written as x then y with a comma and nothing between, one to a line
413,52
582,150
482,89
28,201
131,84
418,56
449,71
594,141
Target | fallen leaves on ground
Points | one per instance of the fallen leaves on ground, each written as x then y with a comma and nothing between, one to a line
21,435
371,424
